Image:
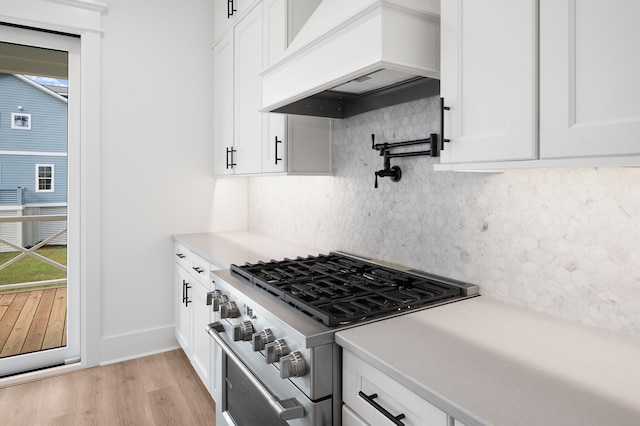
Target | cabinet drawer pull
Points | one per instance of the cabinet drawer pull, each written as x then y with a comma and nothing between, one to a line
231,8
198,269
180,255
370,400
442,110
276,151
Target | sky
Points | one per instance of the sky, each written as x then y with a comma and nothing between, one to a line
48,81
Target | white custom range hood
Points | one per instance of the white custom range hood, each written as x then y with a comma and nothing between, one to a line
355,56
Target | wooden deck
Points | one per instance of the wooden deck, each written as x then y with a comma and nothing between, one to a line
32,321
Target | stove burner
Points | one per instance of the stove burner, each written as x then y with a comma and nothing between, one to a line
338,290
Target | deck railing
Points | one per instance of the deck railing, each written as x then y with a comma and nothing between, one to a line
24,252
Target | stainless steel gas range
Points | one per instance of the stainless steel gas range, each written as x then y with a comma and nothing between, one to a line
276,361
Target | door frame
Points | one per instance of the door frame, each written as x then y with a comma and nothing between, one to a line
81,18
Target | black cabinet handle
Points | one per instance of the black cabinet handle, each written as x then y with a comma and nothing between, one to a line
442,110
231,8
180,255
198,269
370,400
230,152
276,150
184,291
186,295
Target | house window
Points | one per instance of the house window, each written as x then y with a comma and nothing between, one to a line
44,177
20,121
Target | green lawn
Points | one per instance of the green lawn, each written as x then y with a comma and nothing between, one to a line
29,269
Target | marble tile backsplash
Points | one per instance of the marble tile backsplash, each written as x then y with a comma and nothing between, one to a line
564,241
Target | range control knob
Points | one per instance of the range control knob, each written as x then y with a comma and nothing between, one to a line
229,310
212,295
261,338
292,365
242,331
218,299
275,350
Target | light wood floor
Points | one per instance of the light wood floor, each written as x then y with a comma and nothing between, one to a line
32,320
158,390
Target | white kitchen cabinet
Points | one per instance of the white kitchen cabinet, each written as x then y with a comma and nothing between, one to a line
201,353
349,418
247,47
588,113
292,144
200,340
184,295
489,80
237,97
362,381
246,141
227,13
589,83
192,312
223,114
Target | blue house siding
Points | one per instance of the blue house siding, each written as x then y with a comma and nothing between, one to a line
48,117
45,143
20,171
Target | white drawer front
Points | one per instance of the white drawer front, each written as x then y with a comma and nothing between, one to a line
359,376
182,255
200,269
349,418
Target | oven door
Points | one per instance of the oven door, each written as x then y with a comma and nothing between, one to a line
245,398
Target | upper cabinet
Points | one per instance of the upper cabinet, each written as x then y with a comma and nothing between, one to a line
488,79
227,13
587,85
292,144
223,114
247,141
589,82
236,100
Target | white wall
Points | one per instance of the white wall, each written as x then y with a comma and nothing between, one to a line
563,241
156,162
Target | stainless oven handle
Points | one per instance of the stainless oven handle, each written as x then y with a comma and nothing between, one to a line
287,409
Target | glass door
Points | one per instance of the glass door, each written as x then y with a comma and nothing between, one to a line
39,200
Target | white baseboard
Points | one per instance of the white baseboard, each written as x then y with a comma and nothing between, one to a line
135,345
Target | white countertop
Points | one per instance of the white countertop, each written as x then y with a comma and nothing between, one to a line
488,362
224,248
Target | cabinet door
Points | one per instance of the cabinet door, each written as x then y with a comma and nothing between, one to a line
293,144
589,81
223,104
248,92
275,40
201,340
488,79
183,309
227,13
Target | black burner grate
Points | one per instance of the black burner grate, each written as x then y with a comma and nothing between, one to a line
337,289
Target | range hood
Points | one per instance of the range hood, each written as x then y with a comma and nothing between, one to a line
355,56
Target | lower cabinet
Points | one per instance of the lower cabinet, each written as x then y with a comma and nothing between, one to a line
201,353
372,397
350,418
193,314
183,308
